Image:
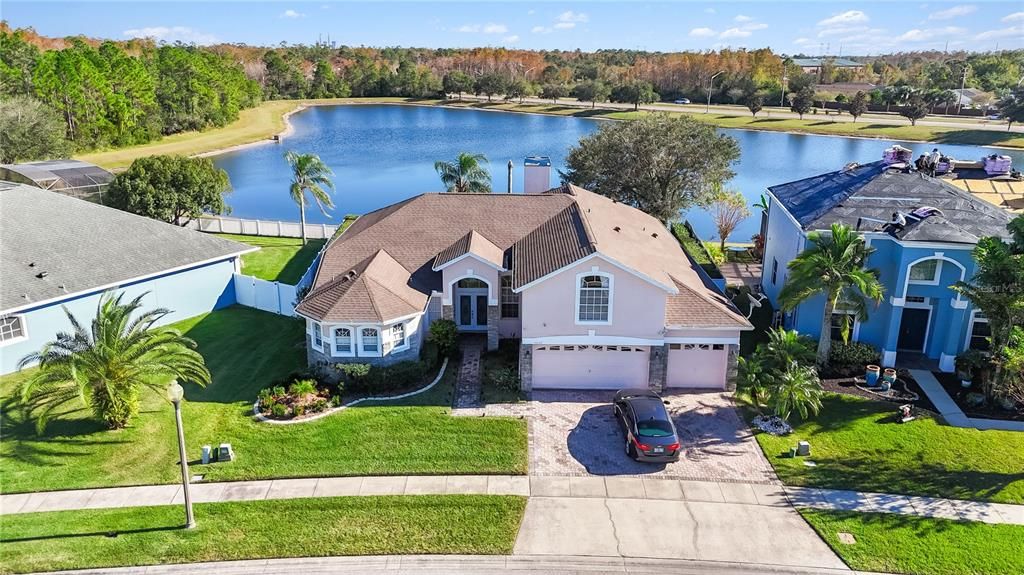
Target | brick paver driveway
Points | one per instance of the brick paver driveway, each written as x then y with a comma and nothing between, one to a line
575,433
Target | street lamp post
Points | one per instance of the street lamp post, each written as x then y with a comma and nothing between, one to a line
711,84
175,393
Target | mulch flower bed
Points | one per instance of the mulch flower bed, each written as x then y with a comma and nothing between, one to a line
990,410
846,385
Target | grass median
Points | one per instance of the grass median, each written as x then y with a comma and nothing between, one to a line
923,546
399,525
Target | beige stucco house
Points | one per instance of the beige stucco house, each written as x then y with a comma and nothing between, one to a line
600,295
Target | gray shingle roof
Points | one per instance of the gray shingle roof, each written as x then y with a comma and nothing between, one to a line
877,191
79,246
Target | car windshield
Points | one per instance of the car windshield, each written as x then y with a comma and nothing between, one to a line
653,428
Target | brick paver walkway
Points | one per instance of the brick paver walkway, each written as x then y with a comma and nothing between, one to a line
467,386
575,433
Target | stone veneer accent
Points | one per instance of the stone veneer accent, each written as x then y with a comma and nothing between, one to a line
493,317
658,367
448,312
526,367
732,367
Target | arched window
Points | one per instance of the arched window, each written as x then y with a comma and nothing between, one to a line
594,298
343,341
926,272
469,283
370,338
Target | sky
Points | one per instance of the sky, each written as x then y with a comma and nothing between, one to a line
805,27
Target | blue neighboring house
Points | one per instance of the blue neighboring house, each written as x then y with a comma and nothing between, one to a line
923,230
57,251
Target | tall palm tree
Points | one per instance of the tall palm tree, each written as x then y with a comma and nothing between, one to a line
310,174
834,267
106,365
466,175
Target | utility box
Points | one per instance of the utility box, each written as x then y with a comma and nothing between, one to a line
536,174
803,448
207,453
225,453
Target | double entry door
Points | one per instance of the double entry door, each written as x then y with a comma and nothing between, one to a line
471,309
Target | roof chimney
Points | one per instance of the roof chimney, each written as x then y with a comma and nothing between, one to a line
536,174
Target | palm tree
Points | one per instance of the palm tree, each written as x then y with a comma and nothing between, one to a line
784,348
798,388
834,267
106,365
466,175
310,174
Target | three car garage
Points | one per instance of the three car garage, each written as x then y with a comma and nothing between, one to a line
613,367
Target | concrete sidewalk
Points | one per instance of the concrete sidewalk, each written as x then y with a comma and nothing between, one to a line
612,487
469,565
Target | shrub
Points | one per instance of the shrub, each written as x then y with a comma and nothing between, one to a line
353,375
715,253
299,410
335,401
319,405
266,398
278,390
853,354
444,333
278,410
402,374
302,387
796,389
430,354
784,348
503,378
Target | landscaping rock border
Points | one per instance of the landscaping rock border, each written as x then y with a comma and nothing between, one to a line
260,417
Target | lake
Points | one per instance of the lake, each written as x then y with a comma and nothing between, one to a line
382,154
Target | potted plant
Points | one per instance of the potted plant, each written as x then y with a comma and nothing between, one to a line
871,375
969,365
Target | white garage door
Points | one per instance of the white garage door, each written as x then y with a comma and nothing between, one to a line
589,367
697,365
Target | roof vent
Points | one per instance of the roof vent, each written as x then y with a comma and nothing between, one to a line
350,275
42,275
31,264
617,228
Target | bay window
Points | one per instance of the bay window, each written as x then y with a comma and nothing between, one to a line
343,341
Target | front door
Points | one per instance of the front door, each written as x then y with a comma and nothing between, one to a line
913,329
471,310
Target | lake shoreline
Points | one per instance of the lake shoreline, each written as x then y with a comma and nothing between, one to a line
303,106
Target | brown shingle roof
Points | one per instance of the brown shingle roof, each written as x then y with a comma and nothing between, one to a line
471,243
542,232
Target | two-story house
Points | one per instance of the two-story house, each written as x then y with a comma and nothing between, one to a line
923,230
599,294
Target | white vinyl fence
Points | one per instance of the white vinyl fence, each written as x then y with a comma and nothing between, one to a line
266,295
224,225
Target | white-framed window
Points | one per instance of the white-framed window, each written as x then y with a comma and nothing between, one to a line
398,337
594,298
926,272
509,299
318,336
369,340
977,338
344,343
12,329
842,321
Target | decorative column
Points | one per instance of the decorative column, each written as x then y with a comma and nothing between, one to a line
492,327
955,328
526,367
732,369
892,333
657,368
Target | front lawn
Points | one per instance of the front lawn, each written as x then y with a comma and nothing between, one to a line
445,524
856,445
246,349
920,545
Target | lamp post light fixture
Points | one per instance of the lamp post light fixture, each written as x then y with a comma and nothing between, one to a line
711,84
175,393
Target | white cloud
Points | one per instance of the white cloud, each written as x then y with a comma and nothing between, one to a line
292,14
570,16
734,33
702,32
540,30
848,17
755,26
510,39
709,10
742,18
954,12
917,35
1011,32
565,25
1015,17
172,34
489,28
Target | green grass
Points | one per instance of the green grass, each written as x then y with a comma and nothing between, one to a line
920,545
856,445
279,259
505,357
246,350
447,524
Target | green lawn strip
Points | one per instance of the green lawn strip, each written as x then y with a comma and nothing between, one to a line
921,545
246,350
857,445
445,524
278,259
